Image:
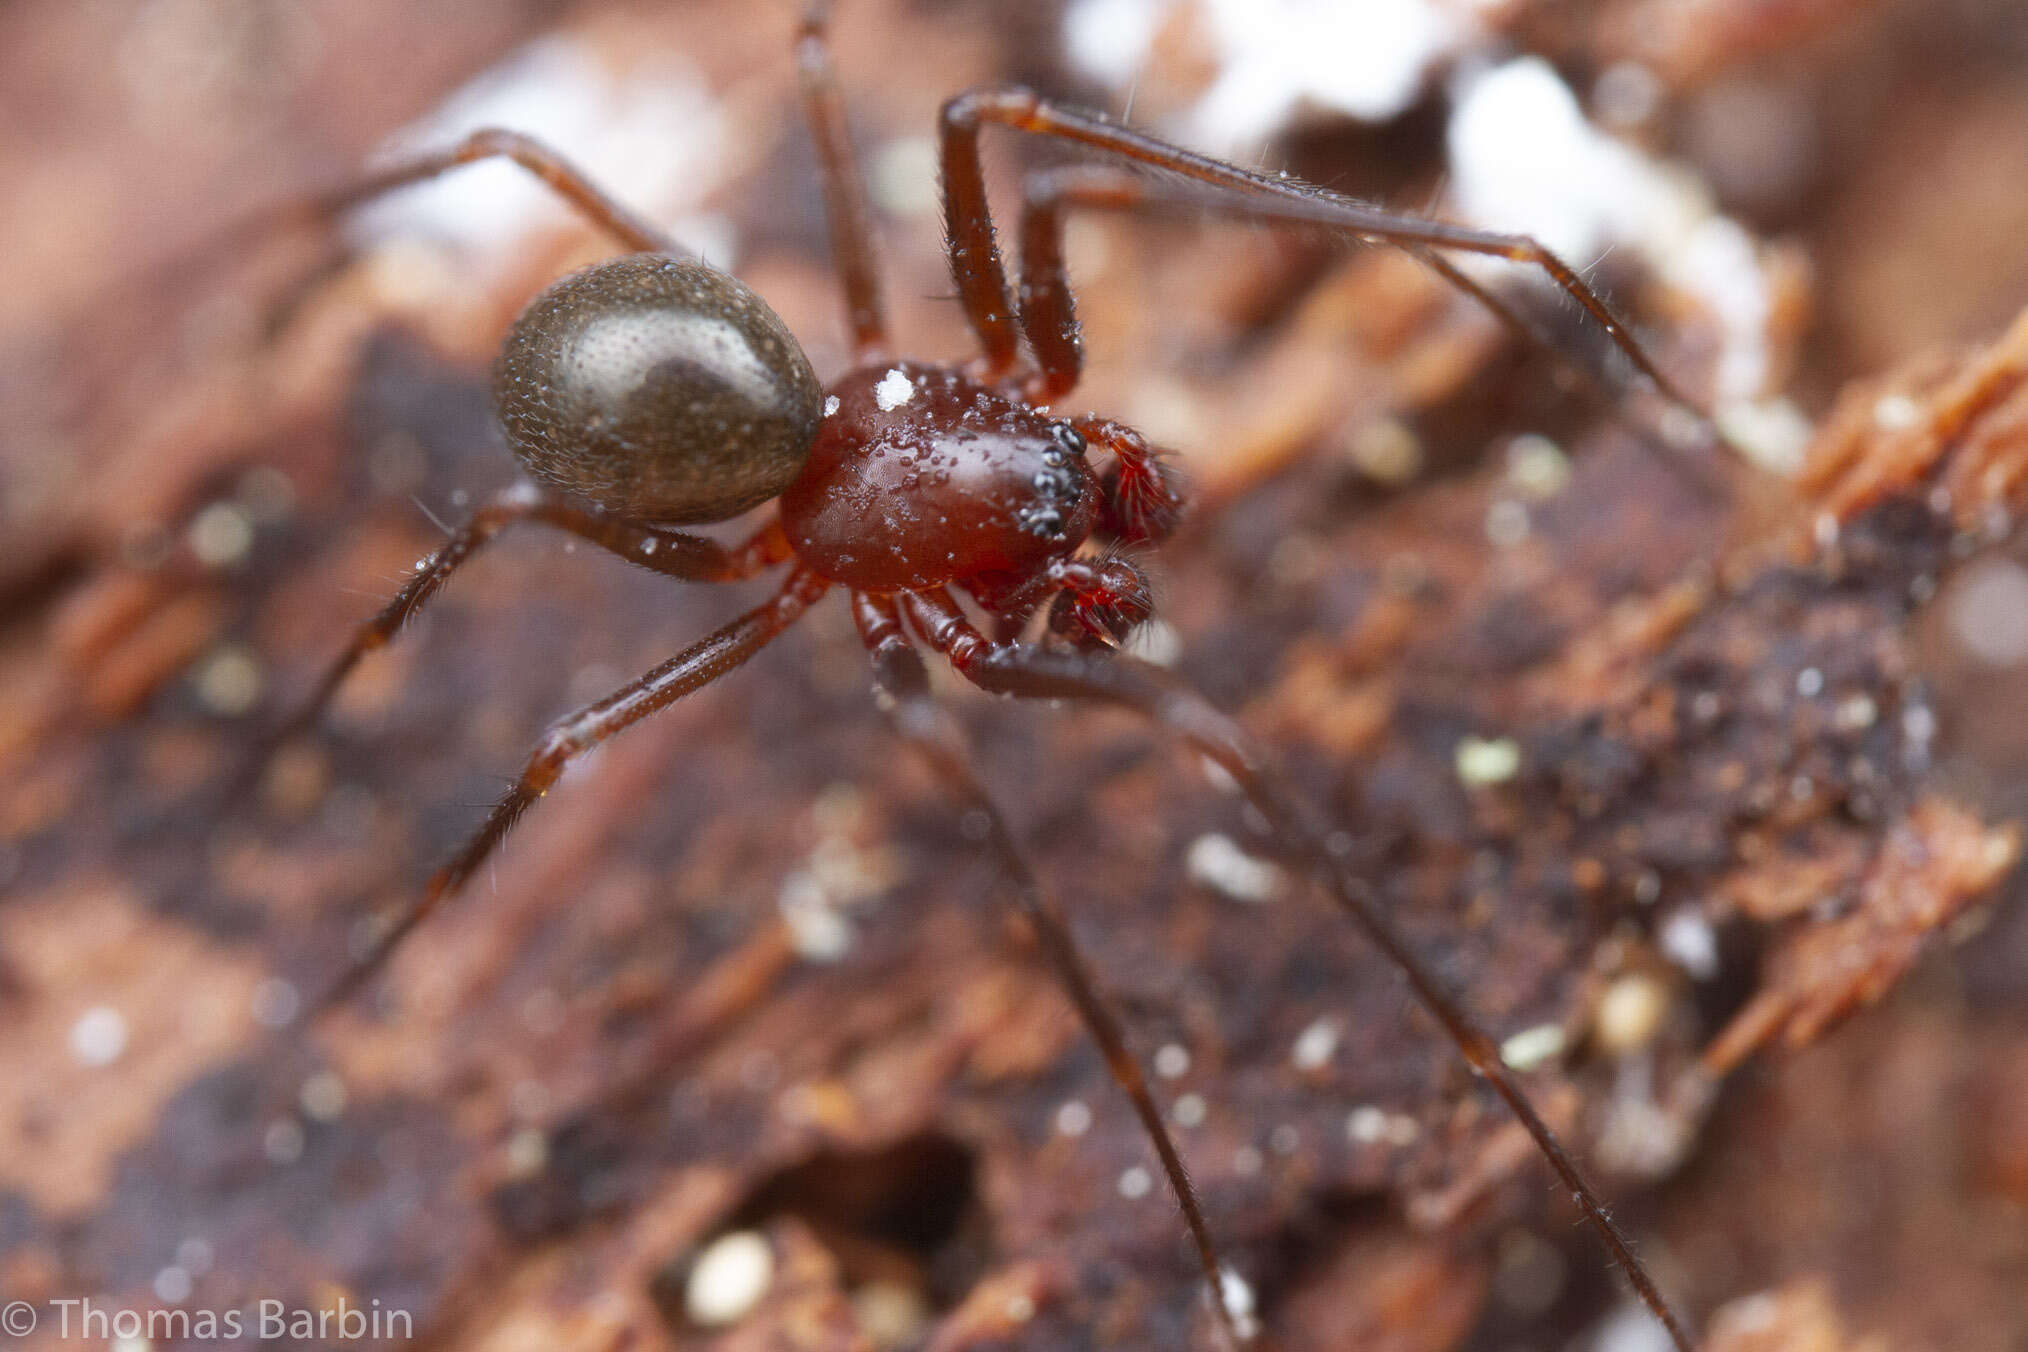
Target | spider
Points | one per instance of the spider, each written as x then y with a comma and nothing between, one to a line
654,391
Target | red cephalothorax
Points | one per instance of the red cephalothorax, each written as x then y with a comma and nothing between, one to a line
920,476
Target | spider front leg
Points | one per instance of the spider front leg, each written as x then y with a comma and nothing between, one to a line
845,208
1211,185
690,670
900,678
1028,672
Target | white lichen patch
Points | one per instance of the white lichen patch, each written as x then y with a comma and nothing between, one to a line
1525,160
894,390
654,126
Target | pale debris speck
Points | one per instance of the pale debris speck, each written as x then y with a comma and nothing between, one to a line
830,405
1172,1061
1630,1013
1073,1118
1688,940
229,683
1774,433
1893,412
891,1313
1387,451
1488,760
275,1003
1532,1047
1155,641
1135,1183
1315,1045
1237,1294
1988,612
282,1143
527,1152
1214,861
221,535
99,1036
195,1254
818,931
904,177
1857,714
1189,1110
729,1278
323,1096
894,390
1366,1124
1537,466
1631,1329
1507,523
173,1285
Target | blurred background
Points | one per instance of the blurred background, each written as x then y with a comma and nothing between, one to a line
741,976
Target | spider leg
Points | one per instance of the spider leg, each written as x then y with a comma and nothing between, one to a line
1048,311
1214,184
691,558
1142,500
695,667
320,208
899,675
1032,673
844,189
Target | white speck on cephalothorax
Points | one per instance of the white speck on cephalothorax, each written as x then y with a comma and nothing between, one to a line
894,390
831,406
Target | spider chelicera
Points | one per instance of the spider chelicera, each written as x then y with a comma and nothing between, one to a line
655,391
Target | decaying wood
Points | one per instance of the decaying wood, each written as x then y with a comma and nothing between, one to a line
1713,727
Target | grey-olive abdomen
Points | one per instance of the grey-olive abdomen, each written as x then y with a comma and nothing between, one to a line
658,388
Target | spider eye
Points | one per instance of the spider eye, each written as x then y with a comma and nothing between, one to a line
1069,438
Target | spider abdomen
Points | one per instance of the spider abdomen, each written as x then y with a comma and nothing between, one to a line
920,477
658,388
